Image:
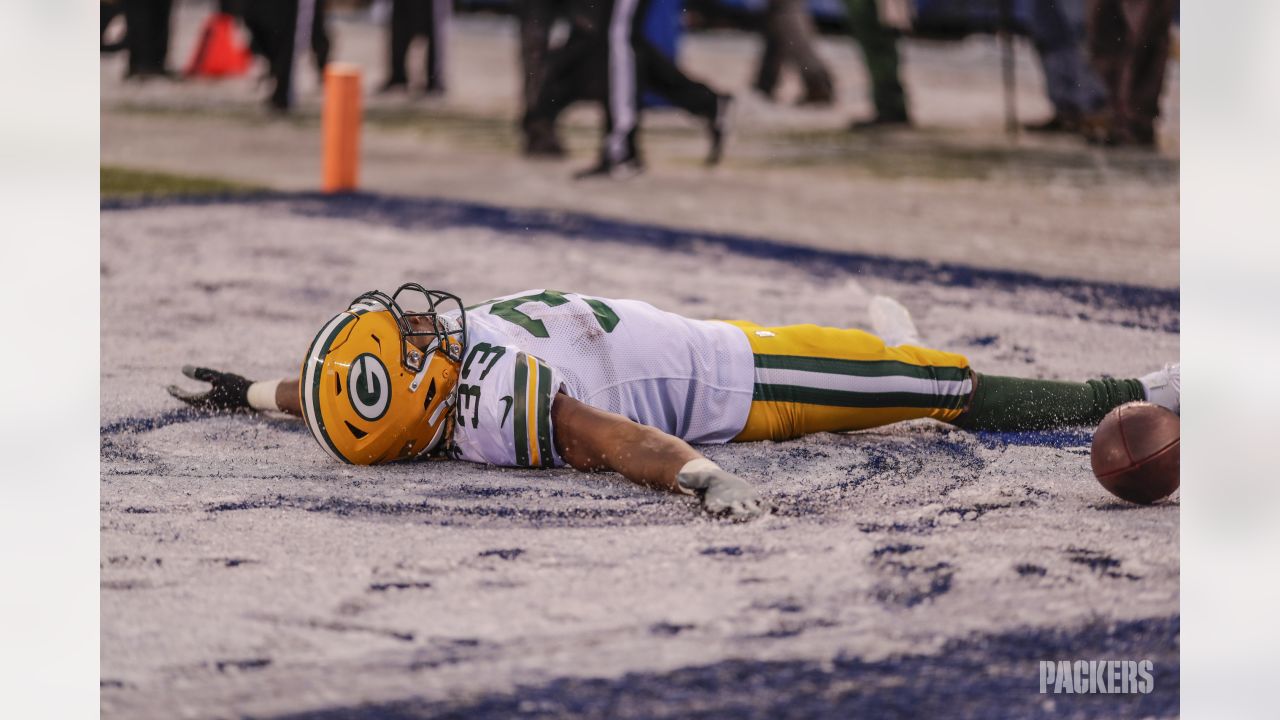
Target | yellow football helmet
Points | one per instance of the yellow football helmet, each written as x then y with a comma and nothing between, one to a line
379,383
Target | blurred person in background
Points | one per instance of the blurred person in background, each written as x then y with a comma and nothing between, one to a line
875,25
1129,48
429,19
568,73
275,27
147,38
607,49
1078,97
536,18
789,40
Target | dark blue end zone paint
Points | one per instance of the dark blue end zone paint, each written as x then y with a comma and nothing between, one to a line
981,677
1147,307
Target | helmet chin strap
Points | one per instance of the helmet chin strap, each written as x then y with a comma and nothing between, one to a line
417,379
442,407
440,431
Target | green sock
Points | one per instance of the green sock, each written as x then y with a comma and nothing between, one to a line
1009,403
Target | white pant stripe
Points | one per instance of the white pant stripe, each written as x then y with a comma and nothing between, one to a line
622,79
861,383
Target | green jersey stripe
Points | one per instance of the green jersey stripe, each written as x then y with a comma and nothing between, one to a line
865,368
842,398
521,424
544,416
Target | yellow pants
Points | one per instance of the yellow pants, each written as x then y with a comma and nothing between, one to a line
817,379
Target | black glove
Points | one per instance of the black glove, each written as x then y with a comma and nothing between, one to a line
229,392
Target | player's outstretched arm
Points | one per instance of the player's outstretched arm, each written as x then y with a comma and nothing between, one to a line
229,392
592,439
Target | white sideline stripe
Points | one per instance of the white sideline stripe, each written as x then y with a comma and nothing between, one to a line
622,78
859,383
308,382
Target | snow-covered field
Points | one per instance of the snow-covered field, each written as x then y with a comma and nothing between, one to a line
913,571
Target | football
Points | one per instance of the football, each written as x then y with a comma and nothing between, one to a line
1135,452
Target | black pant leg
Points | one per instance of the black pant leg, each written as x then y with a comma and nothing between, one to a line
320,45
770,69
435,24
536,18
284,22
144,37
575,71
400,34
162,20
660,74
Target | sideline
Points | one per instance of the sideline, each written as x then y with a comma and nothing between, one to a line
1147,308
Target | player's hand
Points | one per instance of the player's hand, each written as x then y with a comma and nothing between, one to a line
722,492
229,393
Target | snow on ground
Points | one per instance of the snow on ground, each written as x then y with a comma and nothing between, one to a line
912,570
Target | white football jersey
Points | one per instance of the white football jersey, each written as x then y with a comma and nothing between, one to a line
689,378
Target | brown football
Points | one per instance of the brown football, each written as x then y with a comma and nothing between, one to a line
1135,452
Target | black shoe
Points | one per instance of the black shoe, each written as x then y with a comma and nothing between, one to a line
622,170
719,129
436,90
881,122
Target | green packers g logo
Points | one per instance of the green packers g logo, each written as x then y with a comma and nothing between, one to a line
368,387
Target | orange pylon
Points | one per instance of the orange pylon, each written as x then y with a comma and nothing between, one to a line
340,125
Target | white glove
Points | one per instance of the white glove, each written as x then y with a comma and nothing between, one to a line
722,492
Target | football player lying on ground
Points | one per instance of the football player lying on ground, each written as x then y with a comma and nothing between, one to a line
547,378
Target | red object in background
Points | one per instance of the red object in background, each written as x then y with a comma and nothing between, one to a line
219,53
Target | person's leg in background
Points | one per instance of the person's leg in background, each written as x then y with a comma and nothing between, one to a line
655,72
1108,38
769,70
401,29
793,25
136,20
574,71
619,153
1146,57
880,50
536,18
147,37
438,22
1076,93
400,33
320,43
279,19
161,21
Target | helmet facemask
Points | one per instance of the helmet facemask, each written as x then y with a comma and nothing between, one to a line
422,332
